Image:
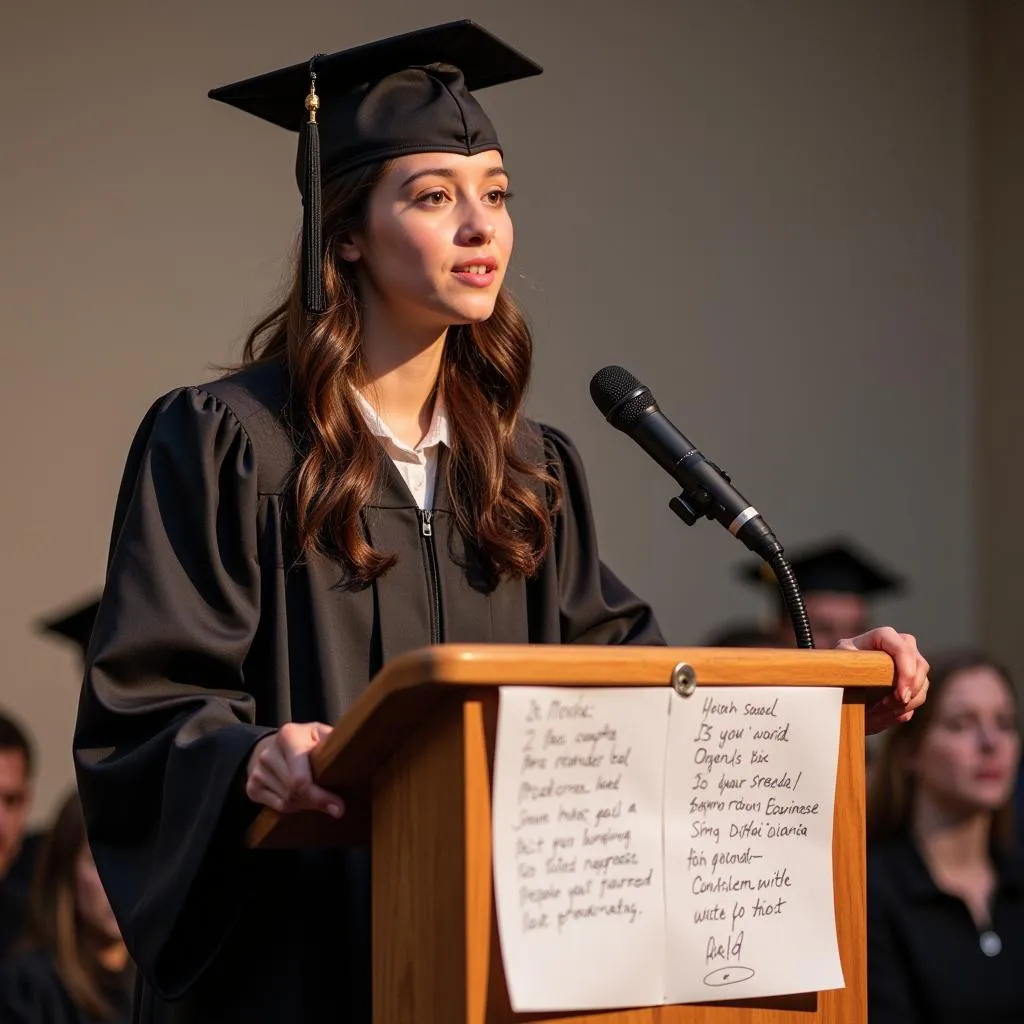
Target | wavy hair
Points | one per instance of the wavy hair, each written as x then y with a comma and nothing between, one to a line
55,923
498,493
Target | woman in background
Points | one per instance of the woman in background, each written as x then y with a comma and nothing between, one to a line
945,883
73,966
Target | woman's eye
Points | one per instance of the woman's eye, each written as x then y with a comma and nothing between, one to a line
498,196
436,198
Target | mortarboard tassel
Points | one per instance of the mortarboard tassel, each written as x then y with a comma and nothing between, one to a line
313,298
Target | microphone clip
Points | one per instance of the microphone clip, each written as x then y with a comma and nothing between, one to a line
695,503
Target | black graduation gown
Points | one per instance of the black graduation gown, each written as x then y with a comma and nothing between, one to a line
210,635
926,961
14,893
31,992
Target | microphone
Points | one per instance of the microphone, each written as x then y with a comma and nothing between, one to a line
629,406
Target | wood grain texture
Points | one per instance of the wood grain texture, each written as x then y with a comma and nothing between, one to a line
409,687
420,932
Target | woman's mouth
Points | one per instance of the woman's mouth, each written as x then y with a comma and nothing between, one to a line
478,273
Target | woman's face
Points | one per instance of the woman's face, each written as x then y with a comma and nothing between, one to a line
967,758
438,239
93,906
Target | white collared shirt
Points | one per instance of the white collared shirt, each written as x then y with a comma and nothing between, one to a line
418,465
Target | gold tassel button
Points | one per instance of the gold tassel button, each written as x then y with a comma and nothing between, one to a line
312,103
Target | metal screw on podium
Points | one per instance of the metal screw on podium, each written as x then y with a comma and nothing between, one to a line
684,679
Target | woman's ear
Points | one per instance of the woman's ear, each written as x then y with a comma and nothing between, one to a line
349,250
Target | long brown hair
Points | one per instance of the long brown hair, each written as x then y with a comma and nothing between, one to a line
485,370
891,796
55,925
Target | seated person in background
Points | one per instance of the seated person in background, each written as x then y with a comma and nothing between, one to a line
17,851
71,966
837,583
740,634
945,884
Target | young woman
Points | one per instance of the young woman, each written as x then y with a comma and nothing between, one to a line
945,879
364,486
73,966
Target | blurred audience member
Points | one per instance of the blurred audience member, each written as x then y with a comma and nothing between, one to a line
72,966
17,850
740,634
837,583
1018,808
873,745
945,882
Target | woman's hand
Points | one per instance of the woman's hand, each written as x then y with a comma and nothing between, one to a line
278,774
910,687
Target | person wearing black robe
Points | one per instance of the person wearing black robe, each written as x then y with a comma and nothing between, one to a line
219,630
14,890
17,749
945,878
69,965
15,790
31,992
18,848
212,639
214,630
838,582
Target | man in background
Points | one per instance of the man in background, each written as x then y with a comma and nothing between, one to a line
17,851
838,584
18,848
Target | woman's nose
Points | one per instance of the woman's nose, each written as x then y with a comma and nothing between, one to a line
988,736
477,229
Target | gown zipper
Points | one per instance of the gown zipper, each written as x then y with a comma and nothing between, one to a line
433,584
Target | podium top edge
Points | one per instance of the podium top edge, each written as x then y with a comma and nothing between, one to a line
593,665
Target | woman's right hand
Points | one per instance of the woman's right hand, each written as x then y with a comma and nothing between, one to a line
278,774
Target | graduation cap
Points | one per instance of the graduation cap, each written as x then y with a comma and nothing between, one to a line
74,624
836,567
407,94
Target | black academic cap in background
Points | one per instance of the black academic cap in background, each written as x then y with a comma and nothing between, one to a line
74,624
406,94
836,567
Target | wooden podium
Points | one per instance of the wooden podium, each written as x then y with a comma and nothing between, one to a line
413,759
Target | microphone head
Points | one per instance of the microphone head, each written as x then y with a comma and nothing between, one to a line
621,398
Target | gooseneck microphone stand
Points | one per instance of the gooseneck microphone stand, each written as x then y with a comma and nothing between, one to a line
794,600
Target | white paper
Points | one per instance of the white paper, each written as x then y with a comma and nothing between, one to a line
749,793
651,848
577,839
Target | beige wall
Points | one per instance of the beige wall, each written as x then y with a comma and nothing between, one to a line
1000,321
762,209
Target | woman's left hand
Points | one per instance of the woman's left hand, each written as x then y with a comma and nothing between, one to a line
910,685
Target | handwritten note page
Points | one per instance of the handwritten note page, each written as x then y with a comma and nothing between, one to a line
749,792
650,848
578,863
